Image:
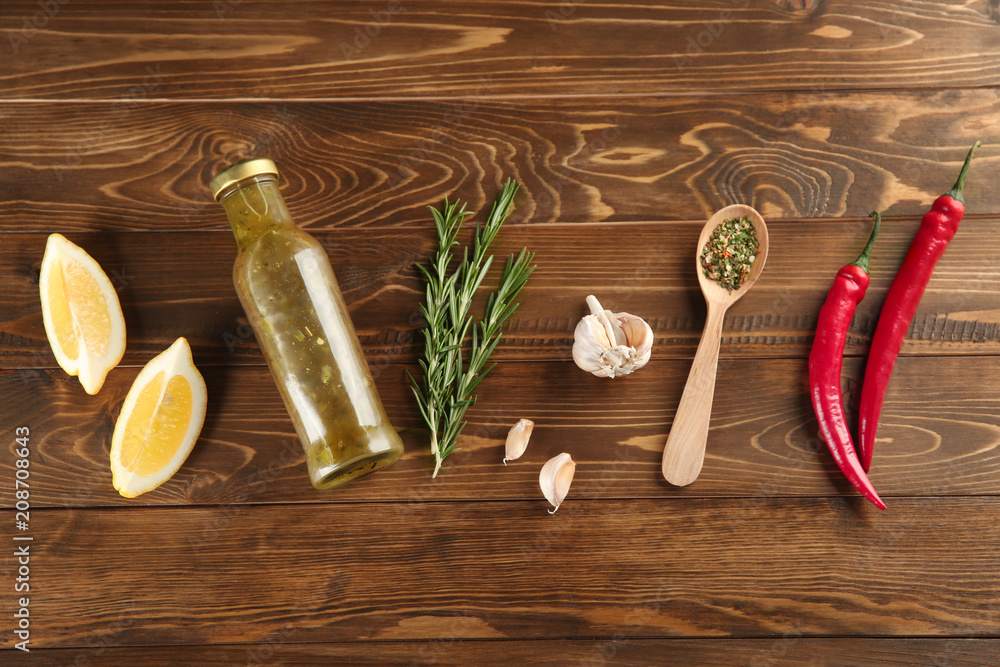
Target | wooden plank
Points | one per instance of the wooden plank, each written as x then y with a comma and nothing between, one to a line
620,649
426,48
179,284
496,570
114,165
627,125
939,436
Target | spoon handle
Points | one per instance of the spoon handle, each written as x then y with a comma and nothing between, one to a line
685,451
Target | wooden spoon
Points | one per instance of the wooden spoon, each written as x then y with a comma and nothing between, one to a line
685,450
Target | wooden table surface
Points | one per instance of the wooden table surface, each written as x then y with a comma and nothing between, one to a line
626,125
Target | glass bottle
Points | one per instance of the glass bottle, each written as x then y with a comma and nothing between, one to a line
290,295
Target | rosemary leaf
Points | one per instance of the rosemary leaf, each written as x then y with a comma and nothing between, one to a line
445,392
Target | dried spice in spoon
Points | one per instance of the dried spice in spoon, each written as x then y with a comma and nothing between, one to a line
730,252
684,453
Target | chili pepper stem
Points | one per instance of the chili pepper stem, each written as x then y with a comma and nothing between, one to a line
937,228
956,192
862,261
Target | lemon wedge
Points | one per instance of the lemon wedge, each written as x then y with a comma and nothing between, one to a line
80,309
159,423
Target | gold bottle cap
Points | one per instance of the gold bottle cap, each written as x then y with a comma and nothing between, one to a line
241,171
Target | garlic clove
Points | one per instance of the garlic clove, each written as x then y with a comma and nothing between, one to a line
610,344
555,479
587,348
639,335
517,439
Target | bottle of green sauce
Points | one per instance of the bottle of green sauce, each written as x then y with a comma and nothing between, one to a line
288,290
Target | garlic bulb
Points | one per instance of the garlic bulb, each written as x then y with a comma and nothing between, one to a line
517,439
555,478
611,344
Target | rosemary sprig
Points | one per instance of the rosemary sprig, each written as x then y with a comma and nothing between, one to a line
446,390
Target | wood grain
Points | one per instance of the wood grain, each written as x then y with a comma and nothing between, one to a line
123,166
939,436
229,49
693,569
791,650
180,284
627,125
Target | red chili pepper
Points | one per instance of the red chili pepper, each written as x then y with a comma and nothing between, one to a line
826,360
937,228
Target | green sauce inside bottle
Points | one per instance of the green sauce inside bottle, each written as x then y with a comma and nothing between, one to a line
290,295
